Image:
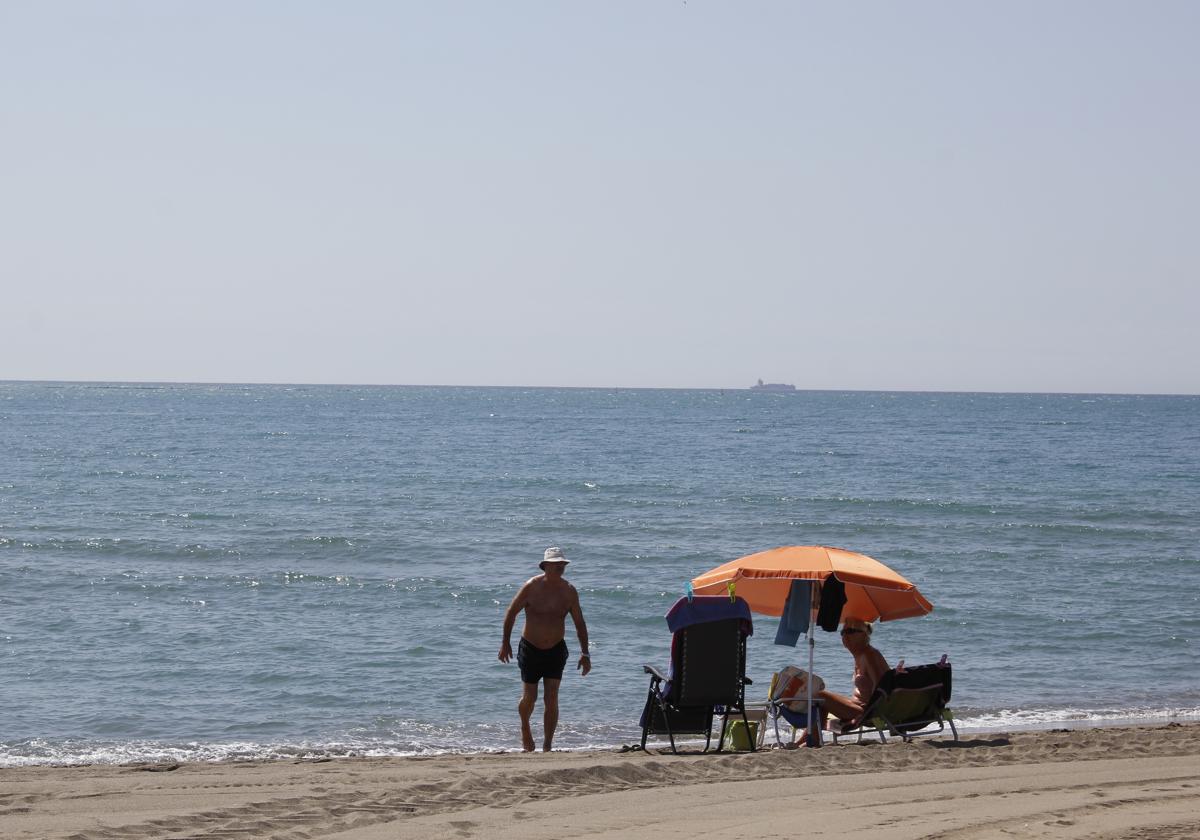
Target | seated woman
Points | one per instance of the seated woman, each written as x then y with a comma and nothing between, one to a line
869,667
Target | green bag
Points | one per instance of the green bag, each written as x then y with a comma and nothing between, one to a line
735,736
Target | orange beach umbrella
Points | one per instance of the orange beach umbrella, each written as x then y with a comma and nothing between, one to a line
873,591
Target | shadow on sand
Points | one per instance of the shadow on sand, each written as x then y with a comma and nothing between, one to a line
962,745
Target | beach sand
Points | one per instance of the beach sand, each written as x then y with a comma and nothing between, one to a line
1136,782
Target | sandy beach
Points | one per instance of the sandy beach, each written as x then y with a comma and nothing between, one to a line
1136,782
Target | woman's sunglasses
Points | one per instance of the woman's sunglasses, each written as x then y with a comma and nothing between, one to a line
851,632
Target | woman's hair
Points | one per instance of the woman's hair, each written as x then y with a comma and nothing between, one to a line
857,624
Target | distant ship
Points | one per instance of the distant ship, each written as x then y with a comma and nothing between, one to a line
772,386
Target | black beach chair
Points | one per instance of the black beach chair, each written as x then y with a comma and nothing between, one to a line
707,675
907,702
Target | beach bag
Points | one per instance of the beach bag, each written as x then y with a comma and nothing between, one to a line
791,687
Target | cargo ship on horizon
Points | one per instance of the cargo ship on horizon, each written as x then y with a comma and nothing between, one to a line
772,386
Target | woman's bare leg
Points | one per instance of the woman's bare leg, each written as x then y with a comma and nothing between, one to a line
840,706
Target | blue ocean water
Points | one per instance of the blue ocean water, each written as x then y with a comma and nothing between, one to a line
217,571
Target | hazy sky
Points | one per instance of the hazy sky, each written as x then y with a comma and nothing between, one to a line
958,195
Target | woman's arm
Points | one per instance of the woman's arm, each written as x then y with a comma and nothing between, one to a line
876,667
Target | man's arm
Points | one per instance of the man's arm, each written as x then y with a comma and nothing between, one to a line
510,618
585,656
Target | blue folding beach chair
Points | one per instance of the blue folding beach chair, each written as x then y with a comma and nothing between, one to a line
708,671
785,702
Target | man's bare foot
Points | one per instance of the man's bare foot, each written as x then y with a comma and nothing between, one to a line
527,743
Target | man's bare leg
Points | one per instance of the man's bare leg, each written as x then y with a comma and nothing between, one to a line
550,719
525,708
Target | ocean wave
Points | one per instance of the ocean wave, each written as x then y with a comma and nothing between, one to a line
407,738
1001,719
326,540
1089,518
131,548
198,516
901,503
38,752
166,550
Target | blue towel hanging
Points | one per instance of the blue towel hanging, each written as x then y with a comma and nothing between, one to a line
796,613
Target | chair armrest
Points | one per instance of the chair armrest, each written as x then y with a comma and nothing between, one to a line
786,702
650,669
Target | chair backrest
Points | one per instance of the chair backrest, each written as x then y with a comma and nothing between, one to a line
791,684
914,694
709,664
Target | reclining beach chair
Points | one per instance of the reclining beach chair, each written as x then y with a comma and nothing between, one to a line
707,676
906,702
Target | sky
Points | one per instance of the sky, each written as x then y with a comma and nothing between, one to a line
946,196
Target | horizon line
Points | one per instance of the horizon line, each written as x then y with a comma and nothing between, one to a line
798,389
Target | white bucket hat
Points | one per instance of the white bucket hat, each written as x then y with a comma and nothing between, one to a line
553,554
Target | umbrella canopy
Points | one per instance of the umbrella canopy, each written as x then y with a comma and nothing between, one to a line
873,591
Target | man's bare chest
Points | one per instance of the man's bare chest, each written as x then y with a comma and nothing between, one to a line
548,604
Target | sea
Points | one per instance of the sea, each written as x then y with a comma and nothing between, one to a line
204,572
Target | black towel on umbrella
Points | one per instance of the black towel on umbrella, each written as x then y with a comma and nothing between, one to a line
833,598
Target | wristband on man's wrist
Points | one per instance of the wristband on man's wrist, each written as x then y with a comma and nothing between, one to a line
585,656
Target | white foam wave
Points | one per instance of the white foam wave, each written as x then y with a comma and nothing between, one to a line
1003,719
44,752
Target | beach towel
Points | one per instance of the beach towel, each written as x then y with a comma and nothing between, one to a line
791,687
688,611
833,598
796,613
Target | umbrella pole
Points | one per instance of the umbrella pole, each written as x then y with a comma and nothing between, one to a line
812,737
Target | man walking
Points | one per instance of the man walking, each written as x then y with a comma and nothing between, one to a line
542,653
